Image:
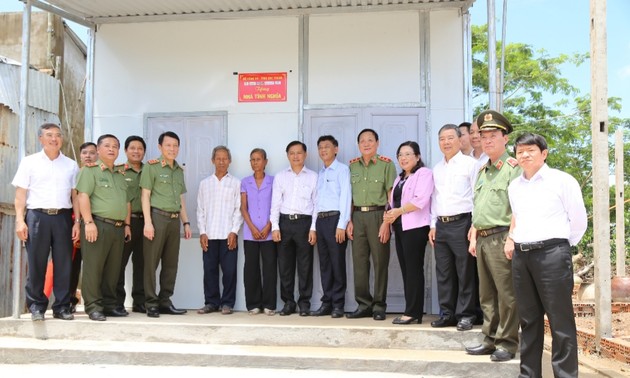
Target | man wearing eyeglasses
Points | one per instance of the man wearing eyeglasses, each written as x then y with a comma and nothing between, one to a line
451,207
44,203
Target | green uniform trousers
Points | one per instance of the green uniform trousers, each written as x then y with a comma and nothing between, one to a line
101,267
364,245
163,248
496,293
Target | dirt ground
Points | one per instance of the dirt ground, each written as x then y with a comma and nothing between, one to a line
620,325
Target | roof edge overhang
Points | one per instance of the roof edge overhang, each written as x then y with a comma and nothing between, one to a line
92,20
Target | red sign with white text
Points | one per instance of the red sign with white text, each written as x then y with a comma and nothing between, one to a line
262,87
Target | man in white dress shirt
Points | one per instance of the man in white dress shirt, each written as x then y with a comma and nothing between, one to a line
293,216
44,203
451,206
219,219
548,217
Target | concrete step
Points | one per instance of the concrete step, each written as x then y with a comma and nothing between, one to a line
241,340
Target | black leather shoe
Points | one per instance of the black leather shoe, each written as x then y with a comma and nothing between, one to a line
379,315
501,355
97,316
337,313
153,312
304,313
73,308
37,316
288,309
444,321
465,324
118,312
322,311
480,350
400,320
365,313
139,308
171,310
63,315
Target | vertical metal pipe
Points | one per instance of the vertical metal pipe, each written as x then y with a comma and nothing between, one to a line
88,130
467,49
601,195
502,71
492,57
620,228
17,245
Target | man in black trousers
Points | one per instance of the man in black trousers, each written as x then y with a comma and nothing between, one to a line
451,206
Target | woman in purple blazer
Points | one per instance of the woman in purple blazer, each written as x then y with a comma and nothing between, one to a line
410,217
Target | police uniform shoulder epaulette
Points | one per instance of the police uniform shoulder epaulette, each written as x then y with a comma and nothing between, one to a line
483,166
153,161
512,162
355,160
384,158
122,167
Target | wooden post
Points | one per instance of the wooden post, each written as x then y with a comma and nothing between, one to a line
620,228
599,132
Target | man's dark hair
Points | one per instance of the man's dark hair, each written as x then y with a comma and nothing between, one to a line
529,139
135,138
367,131
295,143
105,136
169,134
86,145
450,126
466,125
329,138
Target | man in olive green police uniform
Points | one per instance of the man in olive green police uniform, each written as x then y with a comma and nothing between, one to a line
372,177
105,210
488,237
135,148
163,207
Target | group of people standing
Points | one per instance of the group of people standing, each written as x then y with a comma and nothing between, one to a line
500,261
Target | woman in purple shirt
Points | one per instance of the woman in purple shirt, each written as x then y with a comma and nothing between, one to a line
410,216
255,207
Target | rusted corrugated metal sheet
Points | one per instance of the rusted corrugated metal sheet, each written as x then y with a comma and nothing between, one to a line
44,98
43,89
7,232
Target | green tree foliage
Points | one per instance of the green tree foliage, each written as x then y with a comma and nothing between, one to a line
531,79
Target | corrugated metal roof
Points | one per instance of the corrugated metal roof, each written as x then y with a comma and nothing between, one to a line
43,90
116,11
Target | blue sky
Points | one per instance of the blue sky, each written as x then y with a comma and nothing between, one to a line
558,26
563,26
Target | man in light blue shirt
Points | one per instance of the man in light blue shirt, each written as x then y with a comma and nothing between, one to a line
333,213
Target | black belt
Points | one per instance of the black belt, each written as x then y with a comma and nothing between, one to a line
295,216
137,215
169,214
524,247
365,209
113,222
492,231
452,218
325,214
52,211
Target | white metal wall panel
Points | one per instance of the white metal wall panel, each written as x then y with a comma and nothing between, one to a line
364,58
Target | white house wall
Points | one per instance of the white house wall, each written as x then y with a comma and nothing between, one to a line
357,59
446,73
188,67
364,58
